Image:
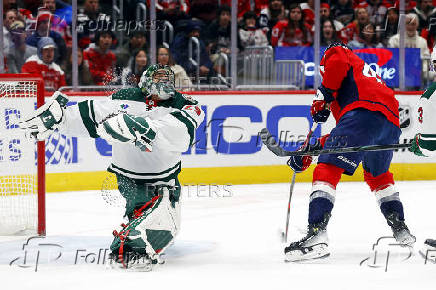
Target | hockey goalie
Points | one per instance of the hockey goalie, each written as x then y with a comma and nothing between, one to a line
149,127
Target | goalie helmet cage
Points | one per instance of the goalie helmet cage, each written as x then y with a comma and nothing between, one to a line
22,166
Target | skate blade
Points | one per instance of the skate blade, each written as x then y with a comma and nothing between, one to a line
407,241
319,251
136,267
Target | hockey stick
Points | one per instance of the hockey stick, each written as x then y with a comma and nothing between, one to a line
270,142
285,234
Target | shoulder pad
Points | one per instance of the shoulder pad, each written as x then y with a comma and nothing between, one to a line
130,94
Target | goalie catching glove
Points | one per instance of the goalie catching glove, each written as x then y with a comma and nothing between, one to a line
125,128
47,118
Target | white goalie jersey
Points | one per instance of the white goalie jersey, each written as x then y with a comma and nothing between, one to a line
173,121
426,109
427,121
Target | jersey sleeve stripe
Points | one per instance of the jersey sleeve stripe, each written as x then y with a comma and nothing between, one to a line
85,113
190,118
188,123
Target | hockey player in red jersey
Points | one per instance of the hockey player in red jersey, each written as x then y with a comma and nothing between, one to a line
43,63
366,113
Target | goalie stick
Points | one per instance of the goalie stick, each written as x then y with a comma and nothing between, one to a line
273,146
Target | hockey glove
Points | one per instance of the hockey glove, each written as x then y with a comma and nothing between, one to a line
424,145
301,163
47,118
125,128
320,109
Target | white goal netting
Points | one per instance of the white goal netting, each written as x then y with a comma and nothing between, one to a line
18,162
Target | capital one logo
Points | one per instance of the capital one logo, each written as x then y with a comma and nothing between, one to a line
383,56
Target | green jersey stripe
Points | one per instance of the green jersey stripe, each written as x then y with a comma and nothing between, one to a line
190,118
89,123
114,134
428,142
429,92
141,178
154,174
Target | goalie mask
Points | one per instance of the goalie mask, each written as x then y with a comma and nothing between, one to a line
158,80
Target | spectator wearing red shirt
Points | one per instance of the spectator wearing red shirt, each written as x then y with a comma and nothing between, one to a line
101,60
409,5
292,32
309,12
352,30
43,63
261,4
172,10
367,38
243,6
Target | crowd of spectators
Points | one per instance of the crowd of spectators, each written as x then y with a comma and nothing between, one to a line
37,34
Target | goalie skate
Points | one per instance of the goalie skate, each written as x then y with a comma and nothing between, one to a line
400,230
313,246
133,262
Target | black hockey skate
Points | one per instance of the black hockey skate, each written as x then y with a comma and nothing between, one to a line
313,246
400,231
428,251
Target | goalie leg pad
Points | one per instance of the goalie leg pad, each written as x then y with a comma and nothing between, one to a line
151,230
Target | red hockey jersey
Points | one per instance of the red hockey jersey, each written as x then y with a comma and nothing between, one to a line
100,64
355,85
282,35
52,74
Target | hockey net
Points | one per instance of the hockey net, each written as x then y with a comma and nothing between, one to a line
22,161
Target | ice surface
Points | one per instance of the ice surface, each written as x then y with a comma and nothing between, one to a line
230,242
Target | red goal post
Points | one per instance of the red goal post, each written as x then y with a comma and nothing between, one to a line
22,176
